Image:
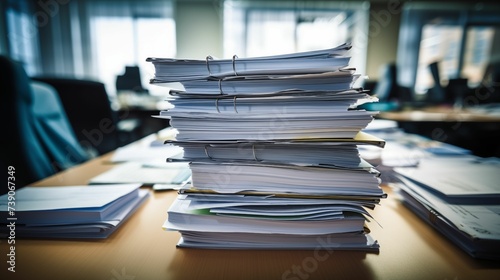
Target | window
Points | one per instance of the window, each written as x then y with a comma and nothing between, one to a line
255,28
124,33
478,52
463,39
438,43
126,41
442,43
22,35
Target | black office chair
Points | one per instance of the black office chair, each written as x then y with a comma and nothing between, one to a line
130,80
489,89
54,128
386,90
96,125
38,139
437,94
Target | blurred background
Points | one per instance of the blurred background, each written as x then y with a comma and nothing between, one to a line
435,57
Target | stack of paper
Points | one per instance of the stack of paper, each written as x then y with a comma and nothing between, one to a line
460,197
174,70
318,114
70,212
272,145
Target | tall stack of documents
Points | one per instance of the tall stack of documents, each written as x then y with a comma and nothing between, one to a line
273,149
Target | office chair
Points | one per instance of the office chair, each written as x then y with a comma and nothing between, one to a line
130,80
489,89
436,94
386,88
54,128
95,124
38,139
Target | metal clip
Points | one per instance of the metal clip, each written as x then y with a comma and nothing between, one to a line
234,66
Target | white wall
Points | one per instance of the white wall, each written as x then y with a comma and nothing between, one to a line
383,36
199,28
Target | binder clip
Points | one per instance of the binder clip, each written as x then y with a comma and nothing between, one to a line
209,57
206,152
254,154
234,66
217,105
234,105
220,87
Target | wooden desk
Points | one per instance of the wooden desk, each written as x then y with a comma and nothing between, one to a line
476,131
140,249
439,114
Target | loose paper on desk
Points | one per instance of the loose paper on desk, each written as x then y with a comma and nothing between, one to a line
463,177
478,221
149,174
147,149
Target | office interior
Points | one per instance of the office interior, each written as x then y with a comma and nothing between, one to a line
412,55
76,88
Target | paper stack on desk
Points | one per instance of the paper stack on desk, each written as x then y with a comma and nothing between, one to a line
272,145
70,211
460,197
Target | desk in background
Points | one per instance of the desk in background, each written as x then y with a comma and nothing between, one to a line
141,106
473,129
140,249
442,114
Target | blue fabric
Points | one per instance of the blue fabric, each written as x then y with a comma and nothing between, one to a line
36,138
53,127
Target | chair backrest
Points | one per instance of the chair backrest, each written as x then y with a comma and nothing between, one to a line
32,124
489,89
53,127
89,112
130,80
437,93
386,87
